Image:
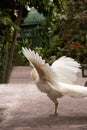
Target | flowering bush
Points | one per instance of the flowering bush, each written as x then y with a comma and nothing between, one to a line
78,50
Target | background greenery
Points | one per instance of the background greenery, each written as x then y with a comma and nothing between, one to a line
63,32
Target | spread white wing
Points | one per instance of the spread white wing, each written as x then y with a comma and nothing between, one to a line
43,69
66,69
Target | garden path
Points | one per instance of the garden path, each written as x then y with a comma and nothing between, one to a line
23,107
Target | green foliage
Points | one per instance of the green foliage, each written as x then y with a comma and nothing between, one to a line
6,20
70,25
19,58
65,23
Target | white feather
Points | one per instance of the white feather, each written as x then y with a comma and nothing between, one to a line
75,91
43,69
53,79
66,68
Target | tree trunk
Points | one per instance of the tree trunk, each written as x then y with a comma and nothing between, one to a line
12,47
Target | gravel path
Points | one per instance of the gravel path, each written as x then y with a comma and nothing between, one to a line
23,107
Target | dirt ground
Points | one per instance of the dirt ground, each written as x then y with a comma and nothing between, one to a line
23,107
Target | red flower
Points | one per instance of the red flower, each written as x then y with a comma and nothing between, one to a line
75,45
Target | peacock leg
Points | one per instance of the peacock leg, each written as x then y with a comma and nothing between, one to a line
56,106
55,102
